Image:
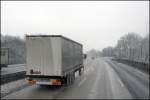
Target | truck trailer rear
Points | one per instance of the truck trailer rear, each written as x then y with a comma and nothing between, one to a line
52,59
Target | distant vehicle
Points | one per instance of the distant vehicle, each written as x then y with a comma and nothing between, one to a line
52,59
4,57
93,58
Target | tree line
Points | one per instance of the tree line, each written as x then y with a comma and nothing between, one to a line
17,50
131,47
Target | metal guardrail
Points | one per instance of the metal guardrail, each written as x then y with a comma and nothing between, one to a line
16,65
12,77
139,65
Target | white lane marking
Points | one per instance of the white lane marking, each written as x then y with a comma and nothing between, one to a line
94,90
120,82
82,82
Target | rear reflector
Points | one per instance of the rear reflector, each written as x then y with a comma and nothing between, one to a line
31,82
56,82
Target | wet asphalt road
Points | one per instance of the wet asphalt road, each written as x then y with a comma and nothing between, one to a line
102,79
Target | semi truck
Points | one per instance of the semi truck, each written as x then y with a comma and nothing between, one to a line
52,60
4,56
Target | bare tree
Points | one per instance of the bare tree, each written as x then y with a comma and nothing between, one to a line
131,47
109,51
145,49
16,45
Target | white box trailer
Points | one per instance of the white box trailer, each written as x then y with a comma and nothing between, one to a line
52,59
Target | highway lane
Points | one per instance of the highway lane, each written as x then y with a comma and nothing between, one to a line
101,82
136,82
102,79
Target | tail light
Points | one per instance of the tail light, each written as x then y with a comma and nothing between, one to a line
31,82
56,82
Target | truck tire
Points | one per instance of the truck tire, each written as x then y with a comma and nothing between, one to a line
80,73
73,77
68,80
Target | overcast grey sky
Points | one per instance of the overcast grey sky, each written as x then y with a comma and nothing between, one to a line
95,24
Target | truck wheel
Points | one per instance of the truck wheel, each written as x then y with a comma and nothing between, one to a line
80,72
73,77
68,79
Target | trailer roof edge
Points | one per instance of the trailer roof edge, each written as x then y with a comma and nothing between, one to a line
53,36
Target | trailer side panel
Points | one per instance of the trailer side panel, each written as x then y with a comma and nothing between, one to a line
71,55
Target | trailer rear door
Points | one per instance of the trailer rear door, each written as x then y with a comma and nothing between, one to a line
34,56
44,55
